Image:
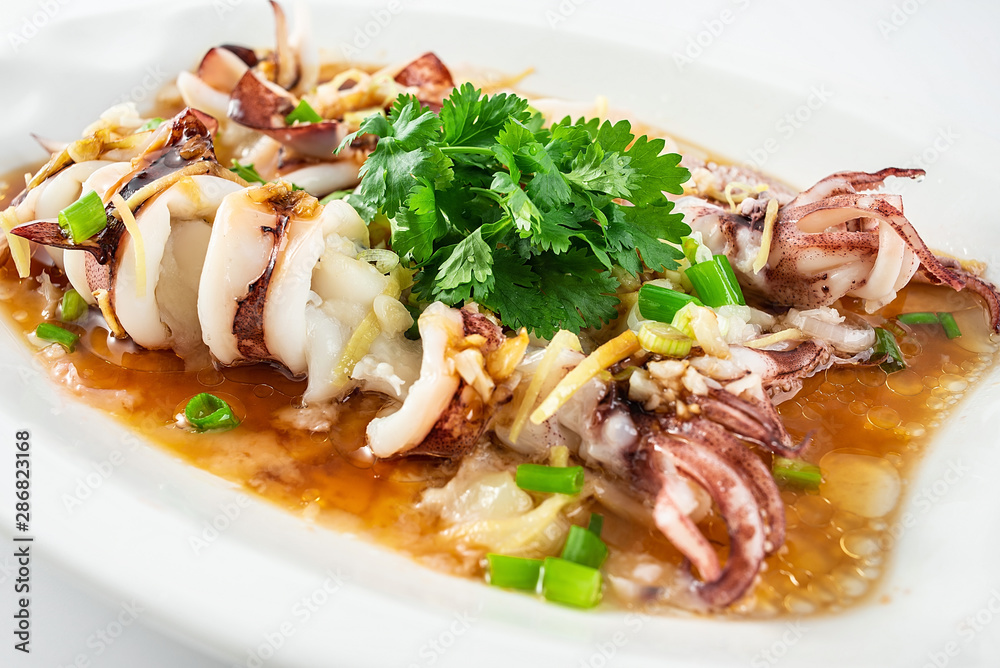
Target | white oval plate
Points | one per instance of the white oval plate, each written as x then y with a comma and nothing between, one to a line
265,588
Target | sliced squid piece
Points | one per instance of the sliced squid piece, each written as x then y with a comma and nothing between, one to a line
283,283
431,394
833,240
208,90
102,182
175,227
45,201
325,177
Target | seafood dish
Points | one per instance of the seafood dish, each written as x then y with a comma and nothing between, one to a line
518,339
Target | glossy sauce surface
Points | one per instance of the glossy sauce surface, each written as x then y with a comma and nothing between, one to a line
831,557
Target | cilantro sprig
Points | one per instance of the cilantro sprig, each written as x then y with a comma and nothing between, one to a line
527,221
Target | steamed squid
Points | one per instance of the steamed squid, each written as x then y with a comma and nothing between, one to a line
838,238
145,278
283,282
114,139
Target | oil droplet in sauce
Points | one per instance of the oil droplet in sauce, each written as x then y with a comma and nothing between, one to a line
905,383
836,538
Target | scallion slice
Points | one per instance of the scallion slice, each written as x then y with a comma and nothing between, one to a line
247,172
950,326
584,547
922,318
596,524
727,269
73,306
796,472
659,303
151,124
570,583
514,572
690,247
664,339
50,332
556,479
715,282
885,343
303,113
208,412
84,218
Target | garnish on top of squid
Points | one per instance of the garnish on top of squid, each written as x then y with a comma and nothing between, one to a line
531,322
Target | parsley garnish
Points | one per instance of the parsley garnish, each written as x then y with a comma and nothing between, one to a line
247,172
523,219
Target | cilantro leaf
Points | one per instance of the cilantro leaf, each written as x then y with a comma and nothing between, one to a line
633,228
516,298
652,174
415,228
467,269
486,204
472,120
247,172
586,293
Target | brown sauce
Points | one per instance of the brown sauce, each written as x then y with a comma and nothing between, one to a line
831,557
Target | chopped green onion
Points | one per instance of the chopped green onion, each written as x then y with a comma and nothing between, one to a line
335,195
664,339
557,479
893,328
923,318
206,411
49,332
796,472
384,260
73,306
727,269
151,124
885,344
596,524
659,303
571,583
303,114
584,547
690,247
247,172
715,282
950,326
84,218
514,572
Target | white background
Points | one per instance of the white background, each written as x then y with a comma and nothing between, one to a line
931,63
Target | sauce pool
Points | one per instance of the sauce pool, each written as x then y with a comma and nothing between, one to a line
832,555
